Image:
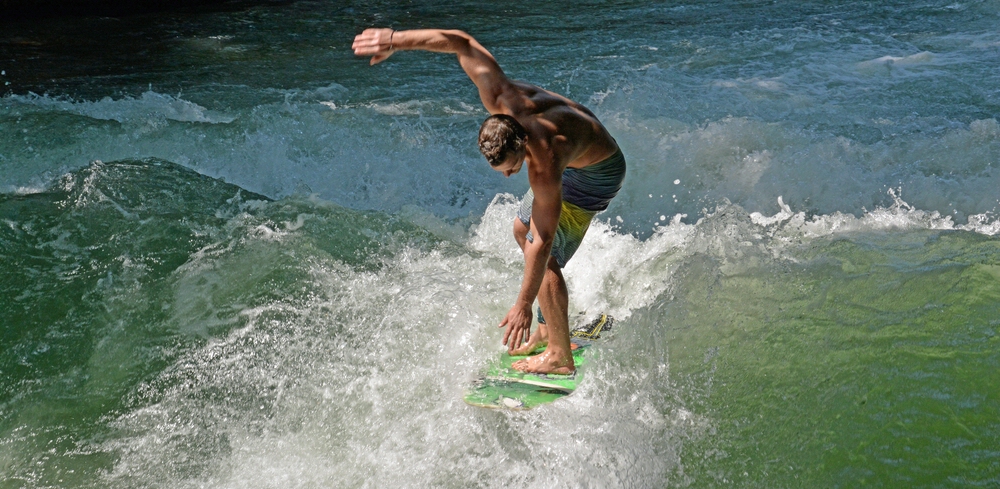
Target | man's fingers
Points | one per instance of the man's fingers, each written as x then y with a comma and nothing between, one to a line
514,343
506,332
366,49
364,44
372,42
519,334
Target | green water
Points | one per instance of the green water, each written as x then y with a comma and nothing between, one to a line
862,360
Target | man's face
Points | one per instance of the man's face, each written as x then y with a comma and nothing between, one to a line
513,164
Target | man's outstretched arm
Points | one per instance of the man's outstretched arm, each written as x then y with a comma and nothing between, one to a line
477,62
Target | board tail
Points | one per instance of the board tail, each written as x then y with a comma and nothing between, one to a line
593,330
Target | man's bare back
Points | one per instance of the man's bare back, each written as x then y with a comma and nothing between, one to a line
577,137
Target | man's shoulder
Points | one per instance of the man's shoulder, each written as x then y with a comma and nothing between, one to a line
527,100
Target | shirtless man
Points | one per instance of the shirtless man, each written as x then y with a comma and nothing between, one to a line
574,167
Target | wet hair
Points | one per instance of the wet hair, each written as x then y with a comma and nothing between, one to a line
499,137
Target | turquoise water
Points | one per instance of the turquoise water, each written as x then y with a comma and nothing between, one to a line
232,255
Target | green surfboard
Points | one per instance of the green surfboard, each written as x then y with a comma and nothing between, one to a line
502,387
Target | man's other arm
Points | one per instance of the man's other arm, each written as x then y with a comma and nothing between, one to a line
477,62
545,210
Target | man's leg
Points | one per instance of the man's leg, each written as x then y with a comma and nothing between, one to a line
554,298
520,232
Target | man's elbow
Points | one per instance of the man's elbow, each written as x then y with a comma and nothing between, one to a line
459,40
457,34
543,241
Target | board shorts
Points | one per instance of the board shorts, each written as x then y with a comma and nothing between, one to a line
585,192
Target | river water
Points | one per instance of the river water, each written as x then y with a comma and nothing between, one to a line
234,255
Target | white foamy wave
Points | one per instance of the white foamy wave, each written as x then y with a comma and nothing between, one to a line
353,375
619,273
768,85
28,189
985,128
412,108
150,106
898,216
611,272
751,163
887,62
988,224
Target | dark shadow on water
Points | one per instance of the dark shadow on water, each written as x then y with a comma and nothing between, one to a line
80,49
15,10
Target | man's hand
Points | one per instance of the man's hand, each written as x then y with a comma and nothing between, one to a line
376,43
518,324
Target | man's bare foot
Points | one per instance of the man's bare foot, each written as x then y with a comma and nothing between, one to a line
538,339
545,363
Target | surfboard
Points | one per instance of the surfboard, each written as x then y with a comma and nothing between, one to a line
502,387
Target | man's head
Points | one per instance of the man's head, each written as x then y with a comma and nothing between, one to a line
502,140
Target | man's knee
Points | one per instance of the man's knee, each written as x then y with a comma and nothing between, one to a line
520,232
553,266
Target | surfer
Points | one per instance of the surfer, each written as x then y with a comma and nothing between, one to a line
574,169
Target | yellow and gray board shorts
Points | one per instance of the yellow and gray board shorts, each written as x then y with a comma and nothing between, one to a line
586,192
